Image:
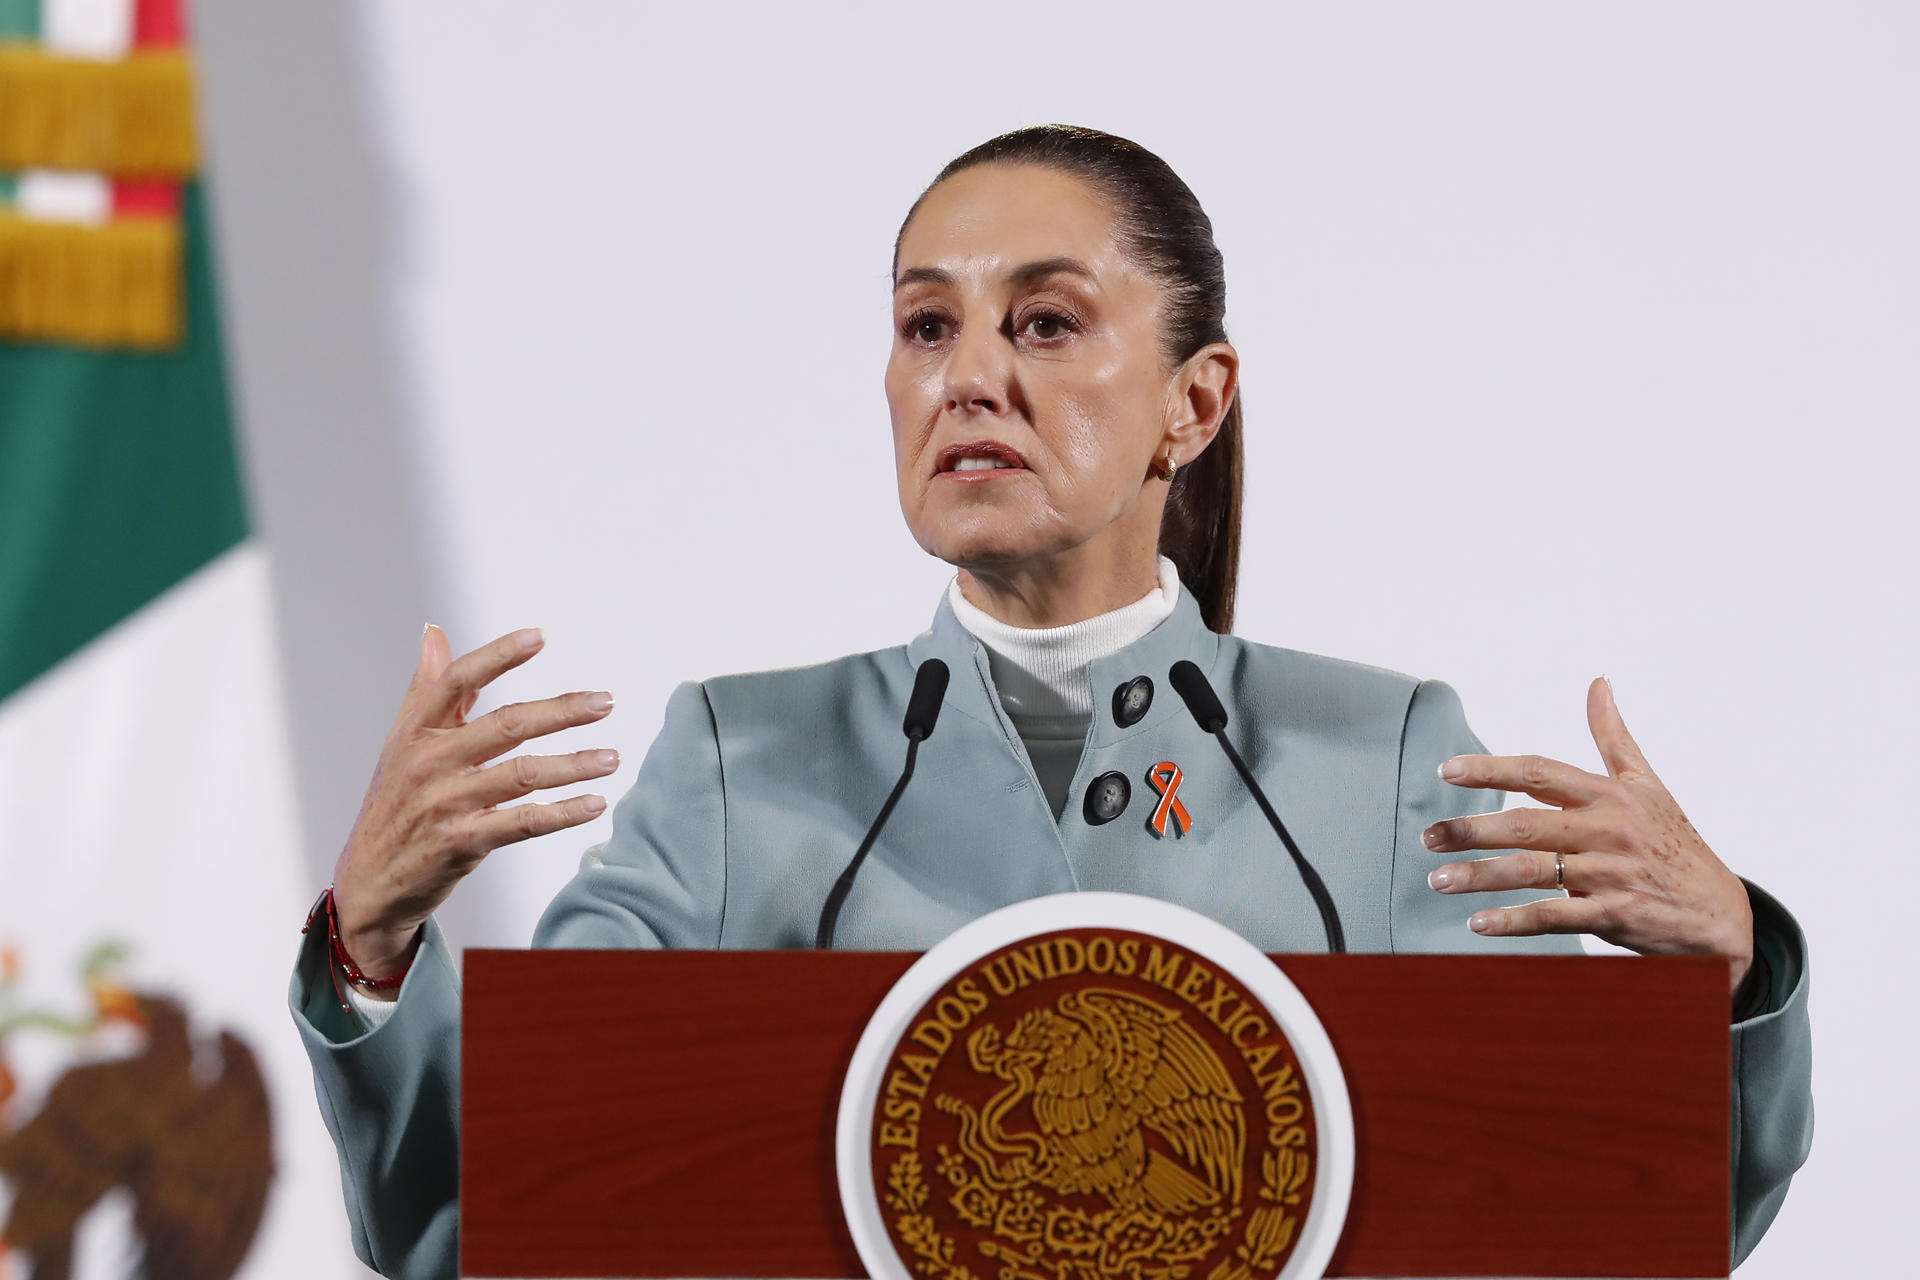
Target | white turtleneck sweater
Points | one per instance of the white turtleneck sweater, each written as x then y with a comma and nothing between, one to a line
1041,673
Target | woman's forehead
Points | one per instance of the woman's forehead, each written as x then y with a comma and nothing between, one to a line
988,221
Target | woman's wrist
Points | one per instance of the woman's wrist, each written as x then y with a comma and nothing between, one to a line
1753,994
373,961
387,971
381,955
1741,951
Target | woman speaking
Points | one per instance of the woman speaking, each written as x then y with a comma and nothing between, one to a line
1067,435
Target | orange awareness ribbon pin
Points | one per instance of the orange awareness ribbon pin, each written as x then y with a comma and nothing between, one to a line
1165,778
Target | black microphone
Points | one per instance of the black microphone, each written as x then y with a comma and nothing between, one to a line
923,704
923,708
1204,703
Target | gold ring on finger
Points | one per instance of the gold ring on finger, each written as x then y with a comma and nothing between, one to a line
1559,870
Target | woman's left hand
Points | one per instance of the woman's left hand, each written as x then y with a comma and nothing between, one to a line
1637,873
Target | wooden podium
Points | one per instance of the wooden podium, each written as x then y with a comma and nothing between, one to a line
671,1113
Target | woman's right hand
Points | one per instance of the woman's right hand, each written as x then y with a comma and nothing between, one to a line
431,812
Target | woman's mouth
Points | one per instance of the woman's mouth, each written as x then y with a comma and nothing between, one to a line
978,461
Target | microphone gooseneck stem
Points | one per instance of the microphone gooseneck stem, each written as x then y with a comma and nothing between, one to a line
1329,918
830,913
923,712
1191,684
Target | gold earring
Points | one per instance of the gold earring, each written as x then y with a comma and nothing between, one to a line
1166,467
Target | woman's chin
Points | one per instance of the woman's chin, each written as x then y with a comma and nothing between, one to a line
964,547
984,533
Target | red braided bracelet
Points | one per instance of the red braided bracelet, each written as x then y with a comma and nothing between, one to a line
341,960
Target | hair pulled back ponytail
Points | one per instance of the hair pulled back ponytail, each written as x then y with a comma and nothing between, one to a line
1159,224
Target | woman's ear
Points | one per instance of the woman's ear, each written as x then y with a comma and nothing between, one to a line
1201,395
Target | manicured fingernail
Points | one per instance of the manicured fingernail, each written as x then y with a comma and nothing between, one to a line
530,638
1454,768
606,759
1480,923
1432,839
599,702
593,804
1440,879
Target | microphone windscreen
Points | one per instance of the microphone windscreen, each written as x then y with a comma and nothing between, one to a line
923,706
1198,695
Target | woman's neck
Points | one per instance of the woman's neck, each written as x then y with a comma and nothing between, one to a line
1041,671
1058,590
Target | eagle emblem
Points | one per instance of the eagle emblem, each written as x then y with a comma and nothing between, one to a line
1093,1106
1100,1070
186,1132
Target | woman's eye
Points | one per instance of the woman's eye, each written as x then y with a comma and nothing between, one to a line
1048,325
924,326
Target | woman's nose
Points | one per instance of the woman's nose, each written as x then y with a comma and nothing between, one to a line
977,371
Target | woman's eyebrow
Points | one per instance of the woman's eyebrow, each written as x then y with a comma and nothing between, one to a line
923,275
1025,273
1061,264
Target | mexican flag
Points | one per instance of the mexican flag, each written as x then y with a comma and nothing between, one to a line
157,1115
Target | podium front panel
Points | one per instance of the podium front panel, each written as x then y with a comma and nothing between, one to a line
671,1113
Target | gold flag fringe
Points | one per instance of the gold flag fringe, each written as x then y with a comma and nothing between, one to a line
114,285
130,117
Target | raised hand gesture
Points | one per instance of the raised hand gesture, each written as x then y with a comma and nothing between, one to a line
433,811
1636,872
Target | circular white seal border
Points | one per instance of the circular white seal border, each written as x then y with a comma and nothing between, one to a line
1203,937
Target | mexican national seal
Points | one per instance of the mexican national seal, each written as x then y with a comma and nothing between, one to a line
1095,1102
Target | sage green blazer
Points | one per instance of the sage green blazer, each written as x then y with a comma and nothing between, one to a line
761,785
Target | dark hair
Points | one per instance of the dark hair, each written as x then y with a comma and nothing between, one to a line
1159,225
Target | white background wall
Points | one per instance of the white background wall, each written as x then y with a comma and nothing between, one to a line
1576,338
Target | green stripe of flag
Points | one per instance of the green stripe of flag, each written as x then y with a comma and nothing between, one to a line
117,476
19,19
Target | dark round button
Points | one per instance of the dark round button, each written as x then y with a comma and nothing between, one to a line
1131,700
1107,798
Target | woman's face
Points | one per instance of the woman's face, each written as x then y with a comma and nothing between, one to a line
1024,338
